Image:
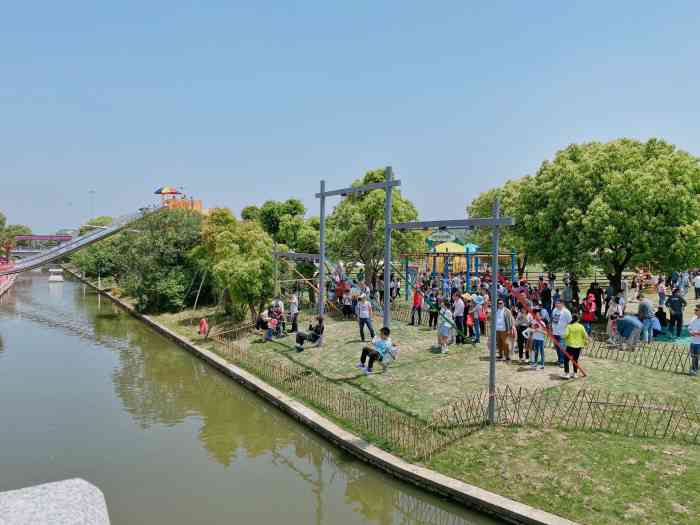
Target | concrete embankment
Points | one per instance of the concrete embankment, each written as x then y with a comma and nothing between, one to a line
468,495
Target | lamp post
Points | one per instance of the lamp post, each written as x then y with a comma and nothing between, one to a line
92,204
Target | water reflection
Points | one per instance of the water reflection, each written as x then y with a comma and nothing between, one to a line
158,384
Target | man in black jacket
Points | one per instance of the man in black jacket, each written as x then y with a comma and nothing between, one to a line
676,304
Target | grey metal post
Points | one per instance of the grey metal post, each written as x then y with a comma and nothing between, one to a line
322,251
494,306
387,247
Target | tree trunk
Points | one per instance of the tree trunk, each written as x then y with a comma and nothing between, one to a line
522,265
253,313
616,279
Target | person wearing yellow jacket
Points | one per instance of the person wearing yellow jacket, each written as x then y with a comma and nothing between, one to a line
576,338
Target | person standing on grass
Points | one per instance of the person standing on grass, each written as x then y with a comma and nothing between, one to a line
445,325
694,331
646,314
576,338
459,317
505,327
589,312
417,306
661,290
546,297
478,316
203,327
364,317
561,317
522,322
676,304
696,285
433,309
294,312
537,331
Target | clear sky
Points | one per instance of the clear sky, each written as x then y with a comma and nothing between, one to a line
240,102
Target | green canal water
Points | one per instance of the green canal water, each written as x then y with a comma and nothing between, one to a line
87,391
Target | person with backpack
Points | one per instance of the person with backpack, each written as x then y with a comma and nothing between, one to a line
676,304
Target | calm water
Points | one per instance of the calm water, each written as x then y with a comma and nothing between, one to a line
87,391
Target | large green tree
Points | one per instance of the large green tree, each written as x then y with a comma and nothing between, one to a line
356,226
272,212
617,205
511,238
239,254
153,263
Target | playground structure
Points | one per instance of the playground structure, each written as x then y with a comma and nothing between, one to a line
444,264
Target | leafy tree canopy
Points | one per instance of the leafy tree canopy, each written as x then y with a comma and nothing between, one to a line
356,226
250,213
240,254
511,238
271,213
620,204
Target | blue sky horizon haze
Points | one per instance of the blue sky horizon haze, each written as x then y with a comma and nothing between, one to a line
241,102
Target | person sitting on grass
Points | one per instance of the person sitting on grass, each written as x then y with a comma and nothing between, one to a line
382,350
277,315
313,335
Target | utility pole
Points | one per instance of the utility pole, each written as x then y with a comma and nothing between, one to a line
92,205
494,305
322,251
389,176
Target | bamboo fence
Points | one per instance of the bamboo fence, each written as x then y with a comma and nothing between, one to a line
656,356
588,410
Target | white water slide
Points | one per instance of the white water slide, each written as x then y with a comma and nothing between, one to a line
79,242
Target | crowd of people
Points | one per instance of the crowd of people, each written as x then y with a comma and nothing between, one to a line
526,314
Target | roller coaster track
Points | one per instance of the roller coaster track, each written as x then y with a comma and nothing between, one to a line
77,243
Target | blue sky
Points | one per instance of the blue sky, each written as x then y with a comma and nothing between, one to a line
243,102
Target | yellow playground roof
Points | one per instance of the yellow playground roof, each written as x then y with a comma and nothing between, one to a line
449,247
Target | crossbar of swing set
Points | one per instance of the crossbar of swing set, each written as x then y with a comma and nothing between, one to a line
486,222
298,256
360,189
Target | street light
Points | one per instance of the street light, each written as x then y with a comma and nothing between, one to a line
92,204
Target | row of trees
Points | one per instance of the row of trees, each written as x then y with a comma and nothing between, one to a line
617,205
8,232
170,260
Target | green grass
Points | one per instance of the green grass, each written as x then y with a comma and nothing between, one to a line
588,477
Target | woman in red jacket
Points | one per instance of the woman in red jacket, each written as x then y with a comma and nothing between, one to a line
589,310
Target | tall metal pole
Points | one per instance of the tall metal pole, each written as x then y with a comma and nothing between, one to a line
322,252
494,307
387,247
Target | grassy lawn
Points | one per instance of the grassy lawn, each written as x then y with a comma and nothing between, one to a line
422,380
591,478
